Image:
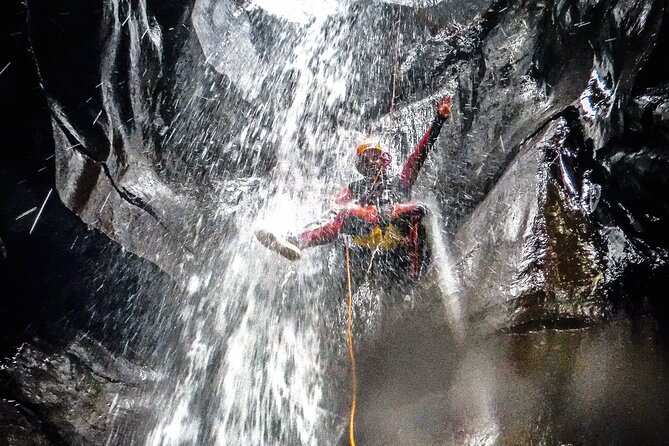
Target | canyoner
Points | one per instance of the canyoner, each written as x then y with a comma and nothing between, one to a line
382,226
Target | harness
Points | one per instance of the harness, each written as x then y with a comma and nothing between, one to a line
382,240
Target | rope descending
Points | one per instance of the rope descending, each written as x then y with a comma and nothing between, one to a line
351,354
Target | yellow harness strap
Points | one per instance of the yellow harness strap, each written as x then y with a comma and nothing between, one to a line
377,239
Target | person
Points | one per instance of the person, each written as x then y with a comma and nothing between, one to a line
376,211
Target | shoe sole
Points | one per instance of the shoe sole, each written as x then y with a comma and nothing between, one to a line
271,242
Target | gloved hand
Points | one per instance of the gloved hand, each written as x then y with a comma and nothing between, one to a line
444,107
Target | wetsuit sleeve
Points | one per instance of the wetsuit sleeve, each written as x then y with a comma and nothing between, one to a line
418,157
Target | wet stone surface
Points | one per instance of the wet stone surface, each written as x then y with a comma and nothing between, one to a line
56,395
551,386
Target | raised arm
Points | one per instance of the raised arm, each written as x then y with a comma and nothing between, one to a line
418,157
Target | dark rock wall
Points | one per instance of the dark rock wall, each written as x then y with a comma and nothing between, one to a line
59,277
70,394
551,190
538,157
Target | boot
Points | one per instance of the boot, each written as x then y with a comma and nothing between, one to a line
286,246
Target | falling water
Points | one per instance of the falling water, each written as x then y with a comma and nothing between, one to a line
254,353
265,137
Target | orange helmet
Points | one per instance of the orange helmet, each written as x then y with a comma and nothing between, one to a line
366,146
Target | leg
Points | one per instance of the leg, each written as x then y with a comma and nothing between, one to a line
409,216
407,210
321,234
325,233
314,235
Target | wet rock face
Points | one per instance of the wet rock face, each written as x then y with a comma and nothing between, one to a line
587,386
551,162
70,395
530,255
550,188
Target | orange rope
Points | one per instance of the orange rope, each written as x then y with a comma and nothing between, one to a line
376,178
351,354
397,58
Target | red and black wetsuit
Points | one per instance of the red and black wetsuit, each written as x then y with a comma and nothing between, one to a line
372,208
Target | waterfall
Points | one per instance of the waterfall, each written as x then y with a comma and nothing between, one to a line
246,363
251,348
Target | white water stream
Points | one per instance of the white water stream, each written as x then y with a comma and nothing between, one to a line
251,358
256,356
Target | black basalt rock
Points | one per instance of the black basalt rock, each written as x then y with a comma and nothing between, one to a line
74,394
549,177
